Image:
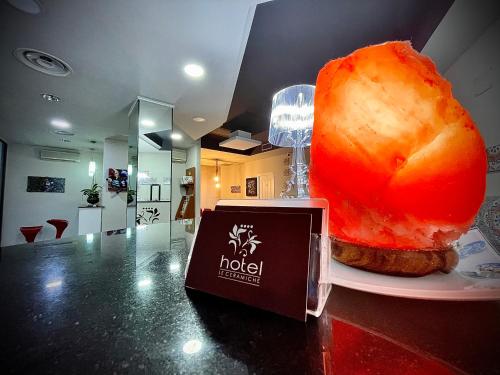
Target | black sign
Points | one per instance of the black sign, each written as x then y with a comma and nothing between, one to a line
260,259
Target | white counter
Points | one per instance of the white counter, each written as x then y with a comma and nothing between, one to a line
89,220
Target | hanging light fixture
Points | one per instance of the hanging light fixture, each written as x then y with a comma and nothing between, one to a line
92,165
92,168
217,178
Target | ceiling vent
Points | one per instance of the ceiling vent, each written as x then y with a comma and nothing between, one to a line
71,156
240,140
42,62
179,155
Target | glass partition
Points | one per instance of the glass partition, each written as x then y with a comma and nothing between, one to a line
133,141
150,161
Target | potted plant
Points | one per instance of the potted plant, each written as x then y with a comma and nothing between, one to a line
92,194
130,195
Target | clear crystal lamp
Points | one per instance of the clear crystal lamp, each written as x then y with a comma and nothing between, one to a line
292,118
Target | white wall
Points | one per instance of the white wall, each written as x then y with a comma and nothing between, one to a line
114,213
209,194
475,77
157,164
29,209
269,162
231,176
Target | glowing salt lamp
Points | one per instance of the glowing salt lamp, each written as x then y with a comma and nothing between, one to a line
399,159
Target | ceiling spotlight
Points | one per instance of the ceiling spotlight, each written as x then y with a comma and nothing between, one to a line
176,136
199,119
148,123
60,124
194,70
50,97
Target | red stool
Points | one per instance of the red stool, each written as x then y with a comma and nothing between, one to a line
30,233
60,226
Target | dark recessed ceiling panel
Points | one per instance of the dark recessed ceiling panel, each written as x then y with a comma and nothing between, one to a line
290,40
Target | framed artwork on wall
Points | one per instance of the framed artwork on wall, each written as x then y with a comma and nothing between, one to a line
45,184
117,179
251,187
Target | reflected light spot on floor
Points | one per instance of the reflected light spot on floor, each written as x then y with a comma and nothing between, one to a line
192,346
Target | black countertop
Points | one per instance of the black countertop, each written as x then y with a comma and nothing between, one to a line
116,304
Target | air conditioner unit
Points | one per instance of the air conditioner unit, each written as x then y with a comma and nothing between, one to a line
72,156
179,155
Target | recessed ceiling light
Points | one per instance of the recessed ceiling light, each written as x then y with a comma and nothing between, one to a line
26,6
176,136
148,123
60,124
50,97
199,119
194,70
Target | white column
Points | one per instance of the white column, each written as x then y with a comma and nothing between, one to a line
114,213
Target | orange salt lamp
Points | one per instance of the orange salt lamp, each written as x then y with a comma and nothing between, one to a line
399,159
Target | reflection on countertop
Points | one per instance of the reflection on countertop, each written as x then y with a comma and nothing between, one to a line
153,201
116,302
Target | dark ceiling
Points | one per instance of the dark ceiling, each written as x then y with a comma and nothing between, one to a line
290,40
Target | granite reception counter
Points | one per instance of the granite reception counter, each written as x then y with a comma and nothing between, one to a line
116,303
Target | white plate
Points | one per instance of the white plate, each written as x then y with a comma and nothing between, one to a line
476,277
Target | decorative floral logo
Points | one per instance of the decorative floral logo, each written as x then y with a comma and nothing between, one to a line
148,215
241,245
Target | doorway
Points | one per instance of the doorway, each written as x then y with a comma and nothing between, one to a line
266,186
